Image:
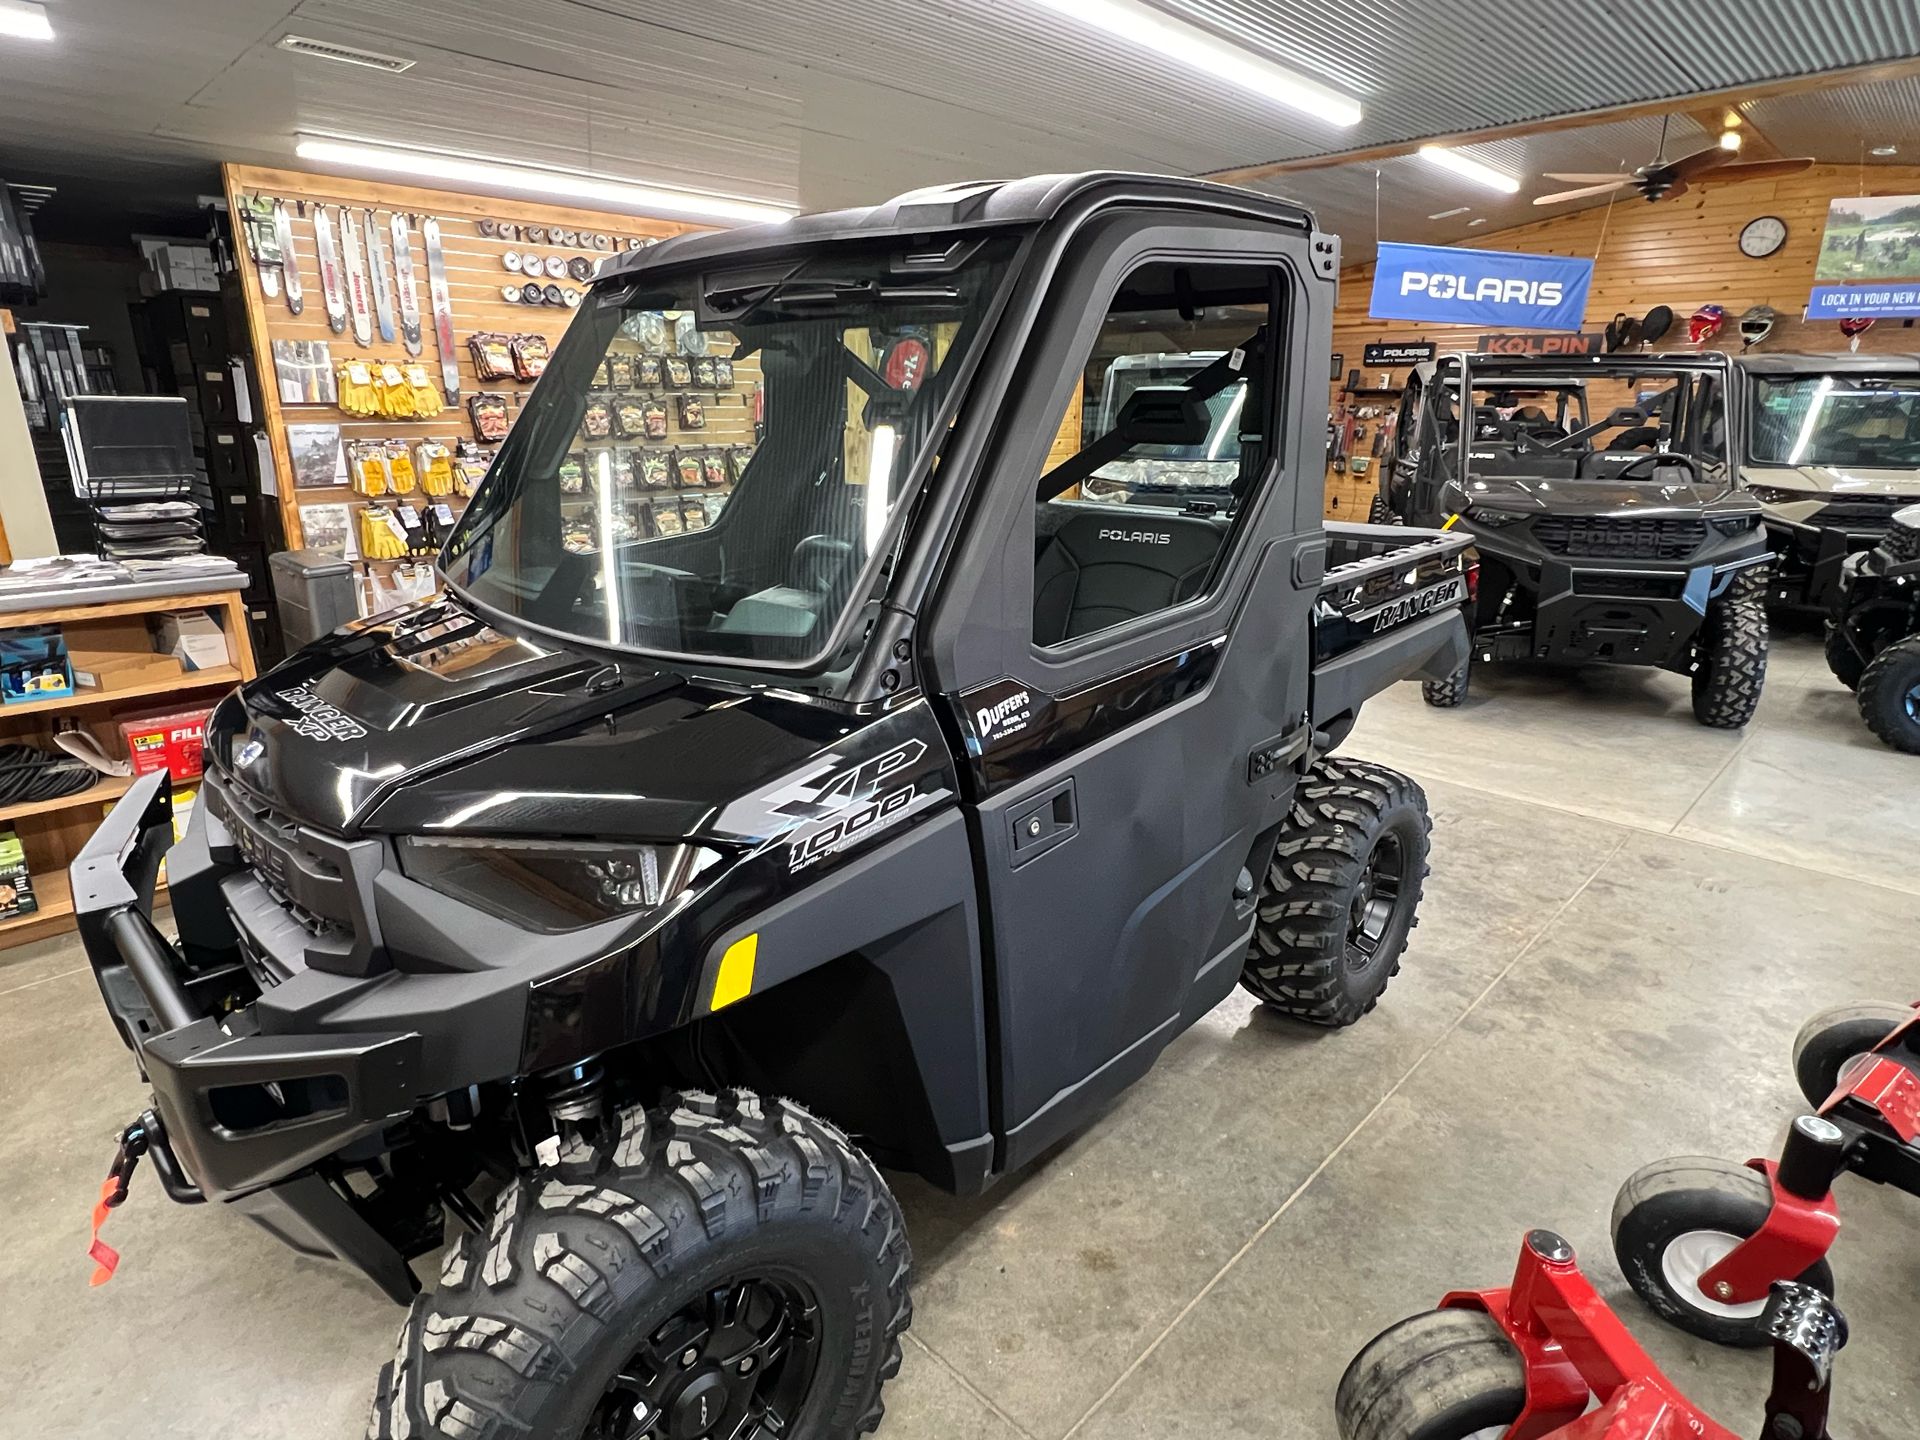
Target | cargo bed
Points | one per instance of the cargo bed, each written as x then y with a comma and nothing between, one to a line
1392,606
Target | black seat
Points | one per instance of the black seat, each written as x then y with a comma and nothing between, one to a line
1106,567
818,574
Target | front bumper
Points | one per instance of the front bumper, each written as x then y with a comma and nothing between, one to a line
246,1114
1808,560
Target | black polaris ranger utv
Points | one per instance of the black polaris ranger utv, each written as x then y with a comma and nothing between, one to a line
1873,639
1602,506
911,789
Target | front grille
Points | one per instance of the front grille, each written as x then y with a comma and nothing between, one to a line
1607,537
1629,587
1869,510
310,887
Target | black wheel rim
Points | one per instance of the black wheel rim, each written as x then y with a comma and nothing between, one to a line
733,1364
1376,901
1913,703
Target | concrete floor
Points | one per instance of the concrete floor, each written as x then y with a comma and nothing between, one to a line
1629,916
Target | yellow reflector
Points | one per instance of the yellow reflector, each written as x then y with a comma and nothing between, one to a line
735,980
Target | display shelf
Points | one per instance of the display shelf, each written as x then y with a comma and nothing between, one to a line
224,676
108,787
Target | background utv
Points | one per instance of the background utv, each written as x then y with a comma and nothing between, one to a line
935,798
1600,496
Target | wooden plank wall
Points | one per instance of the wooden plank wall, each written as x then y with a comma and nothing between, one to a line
1682,253
475,275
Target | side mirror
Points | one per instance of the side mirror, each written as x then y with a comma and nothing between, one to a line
1164,415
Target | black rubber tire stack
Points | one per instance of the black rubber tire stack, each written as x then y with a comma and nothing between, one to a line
1300,963
587,1259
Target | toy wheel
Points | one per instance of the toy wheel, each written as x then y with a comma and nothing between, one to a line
1445,1375
1675,1220
1889,695
1842,659
1833,1037
1731,666
1447,693
714,1267
1341,894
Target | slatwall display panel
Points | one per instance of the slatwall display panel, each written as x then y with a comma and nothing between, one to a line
476,274
1682,253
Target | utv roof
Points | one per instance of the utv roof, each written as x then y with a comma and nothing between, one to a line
1546,368
1844,362
974,205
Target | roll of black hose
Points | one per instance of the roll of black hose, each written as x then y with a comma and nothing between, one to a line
30,776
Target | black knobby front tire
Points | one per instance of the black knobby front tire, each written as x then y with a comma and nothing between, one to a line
1446,694
1731,666
1673,1220
591,1266
1842,659
1444,1375
1833,1037
1380,513
1889,695
1342,893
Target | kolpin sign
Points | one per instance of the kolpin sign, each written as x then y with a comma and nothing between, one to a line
1869,259
1411,353
1582,342
1493,289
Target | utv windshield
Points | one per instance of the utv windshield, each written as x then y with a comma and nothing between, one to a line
1861,421
711,461
1597,425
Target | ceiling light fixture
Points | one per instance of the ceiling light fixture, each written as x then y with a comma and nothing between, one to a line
1884,150
1449,214
490,175
23,20
1472,169
1730,140
1731,120
1201,50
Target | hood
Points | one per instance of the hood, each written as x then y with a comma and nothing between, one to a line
433,719
1836,480
1596,496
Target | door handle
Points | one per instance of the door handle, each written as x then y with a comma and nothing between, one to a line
1047,820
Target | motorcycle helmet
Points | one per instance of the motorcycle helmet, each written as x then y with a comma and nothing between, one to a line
1853,328
1655,323
1705,323
1756,325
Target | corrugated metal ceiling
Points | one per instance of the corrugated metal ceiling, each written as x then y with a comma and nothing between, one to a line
828,102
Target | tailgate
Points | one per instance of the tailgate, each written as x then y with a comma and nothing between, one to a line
1393,606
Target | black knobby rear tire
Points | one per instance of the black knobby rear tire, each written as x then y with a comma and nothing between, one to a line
1833,1037
1446,694
1342,892
1889,695
1842,659
1732,662
589,1268
1379,513
1444,1375
1676,1218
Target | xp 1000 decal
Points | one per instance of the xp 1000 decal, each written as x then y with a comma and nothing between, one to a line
839,809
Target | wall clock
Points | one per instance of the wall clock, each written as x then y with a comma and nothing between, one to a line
1762,236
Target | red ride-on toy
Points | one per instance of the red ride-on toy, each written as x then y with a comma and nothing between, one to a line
1524,1363
1702,1240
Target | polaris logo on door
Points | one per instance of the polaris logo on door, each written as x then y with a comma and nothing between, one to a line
1491,289
1138,537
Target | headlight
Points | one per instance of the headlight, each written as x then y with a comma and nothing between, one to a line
1497,519
1734,524
551,885
1775,495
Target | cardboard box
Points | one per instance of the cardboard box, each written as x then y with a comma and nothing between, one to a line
16,885
33,665
195,639
172,742
103,672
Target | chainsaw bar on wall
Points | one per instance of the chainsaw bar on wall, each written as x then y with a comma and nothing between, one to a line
377,265
289,262
442,309
404,282
354,258
333,287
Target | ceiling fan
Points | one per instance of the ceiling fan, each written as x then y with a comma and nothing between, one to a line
1662,178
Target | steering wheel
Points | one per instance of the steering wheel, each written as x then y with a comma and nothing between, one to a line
1633,469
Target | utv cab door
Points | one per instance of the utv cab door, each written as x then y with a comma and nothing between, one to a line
1121,647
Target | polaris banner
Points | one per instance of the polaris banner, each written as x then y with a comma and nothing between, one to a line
1493,289
1869,265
